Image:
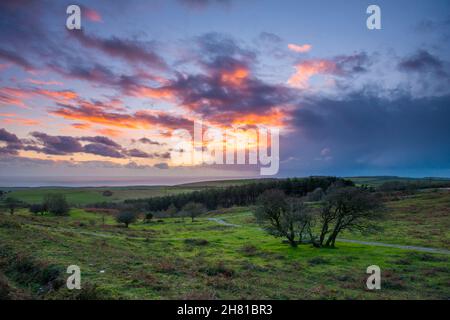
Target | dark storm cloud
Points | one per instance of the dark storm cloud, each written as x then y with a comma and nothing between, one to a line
423,61
366,131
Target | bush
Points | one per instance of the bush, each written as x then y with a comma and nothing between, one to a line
107,193
56,204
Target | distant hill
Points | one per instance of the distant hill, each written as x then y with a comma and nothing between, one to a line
379,180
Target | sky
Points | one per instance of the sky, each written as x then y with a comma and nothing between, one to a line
105,101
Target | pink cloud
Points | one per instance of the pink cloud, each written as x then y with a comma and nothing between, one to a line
300,48
306,69
92,15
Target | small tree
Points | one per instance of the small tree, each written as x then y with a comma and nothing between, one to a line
56,204
148,216
12,204
193,209
347,208
126,217
283,217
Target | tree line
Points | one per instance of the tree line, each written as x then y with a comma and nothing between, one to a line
239,195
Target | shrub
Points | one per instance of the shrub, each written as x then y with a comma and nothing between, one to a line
126,218
107,193
56,204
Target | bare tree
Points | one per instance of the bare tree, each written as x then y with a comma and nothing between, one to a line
347,208
283,217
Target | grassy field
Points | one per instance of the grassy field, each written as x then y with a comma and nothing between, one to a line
83,196
172,259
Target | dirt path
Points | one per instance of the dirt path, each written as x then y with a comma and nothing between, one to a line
367,243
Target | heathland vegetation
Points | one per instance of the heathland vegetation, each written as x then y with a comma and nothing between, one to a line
276,239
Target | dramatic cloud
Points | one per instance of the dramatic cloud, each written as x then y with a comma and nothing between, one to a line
366,132
141,119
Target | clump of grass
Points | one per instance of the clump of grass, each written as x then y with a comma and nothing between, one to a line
318,260
196,242
249,250
216,269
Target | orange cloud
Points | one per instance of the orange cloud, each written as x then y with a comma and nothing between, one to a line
110,132
300,48
235,77
13,96
306,69
57,95
46,83
81,126
11,118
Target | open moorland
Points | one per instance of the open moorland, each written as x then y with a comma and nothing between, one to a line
222,254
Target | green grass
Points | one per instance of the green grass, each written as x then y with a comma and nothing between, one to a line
156,261
83,196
